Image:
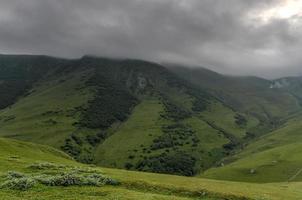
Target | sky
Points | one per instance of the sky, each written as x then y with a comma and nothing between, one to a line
238,37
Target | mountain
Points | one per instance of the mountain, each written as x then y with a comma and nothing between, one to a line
118,113
144,116
253,95
270,157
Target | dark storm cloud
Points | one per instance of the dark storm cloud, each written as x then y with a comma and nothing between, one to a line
225,35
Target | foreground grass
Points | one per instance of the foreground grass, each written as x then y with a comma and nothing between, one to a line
274,191
18,156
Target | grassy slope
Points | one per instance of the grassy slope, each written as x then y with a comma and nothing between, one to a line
247,94
140,129
224,118
33,123
16,155
274,157
30,119
144,125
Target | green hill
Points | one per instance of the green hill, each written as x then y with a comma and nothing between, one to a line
271,157
246,94
32,160
121,113
274,157
142,116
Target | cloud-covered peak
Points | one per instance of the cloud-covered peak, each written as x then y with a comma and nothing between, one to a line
252,37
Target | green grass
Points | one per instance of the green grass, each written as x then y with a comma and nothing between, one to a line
140,129
273,157
246,94
47,114
144,125
17,156
209,149
224,118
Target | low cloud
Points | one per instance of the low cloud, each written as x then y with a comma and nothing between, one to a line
237,37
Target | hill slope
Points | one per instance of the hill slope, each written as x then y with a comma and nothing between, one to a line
271,158
121,113
22,157
246,94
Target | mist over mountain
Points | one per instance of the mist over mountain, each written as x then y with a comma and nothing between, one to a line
151,99
237,37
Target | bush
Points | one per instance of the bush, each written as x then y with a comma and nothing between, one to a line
73,177
66,179
12,174
174,135
128,166
23,183
174,112
240,120
45,165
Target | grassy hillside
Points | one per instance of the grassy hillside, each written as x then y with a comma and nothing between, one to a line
121,113
271,158
28,158
246,94
151,141
46,114
140,116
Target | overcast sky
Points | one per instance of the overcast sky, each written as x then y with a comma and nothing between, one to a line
240,37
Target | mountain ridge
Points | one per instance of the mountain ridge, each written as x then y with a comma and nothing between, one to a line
140,115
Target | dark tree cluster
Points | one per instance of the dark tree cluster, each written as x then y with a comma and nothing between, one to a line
179,163
240,120
76,146
174,112
175,135
71,147
95,139
111,103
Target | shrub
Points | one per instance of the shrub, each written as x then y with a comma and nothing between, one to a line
174,112
45,165
12,174
240,120
23,183
128,165
65,179
94,140
174,135
74,178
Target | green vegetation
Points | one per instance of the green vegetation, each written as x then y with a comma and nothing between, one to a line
111,103
179,163
132,136
123,113
274,157
46,167
137,115
245,94
47,114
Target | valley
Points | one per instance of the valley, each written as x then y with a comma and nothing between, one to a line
136,120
